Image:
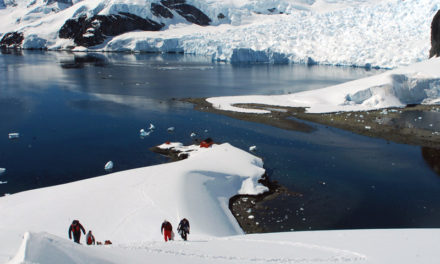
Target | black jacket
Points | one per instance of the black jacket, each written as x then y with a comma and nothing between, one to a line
76,228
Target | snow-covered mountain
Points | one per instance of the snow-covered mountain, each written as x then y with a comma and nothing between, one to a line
369,33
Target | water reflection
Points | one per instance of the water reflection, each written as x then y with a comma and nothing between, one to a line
17,52
432,158
79,61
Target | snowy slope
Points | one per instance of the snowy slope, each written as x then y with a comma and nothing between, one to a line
415,84
368,33
354,246
128,207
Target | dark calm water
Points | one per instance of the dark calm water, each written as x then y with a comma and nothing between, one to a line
75,112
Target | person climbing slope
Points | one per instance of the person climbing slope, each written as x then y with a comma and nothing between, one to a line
90,238
166,230
75,229
183,228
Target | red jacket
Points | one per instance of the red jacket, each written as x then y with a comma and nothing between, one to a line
166,226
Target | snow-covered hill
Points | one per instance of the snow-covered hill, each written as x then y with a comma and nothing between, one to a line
418,83
367,33
128,208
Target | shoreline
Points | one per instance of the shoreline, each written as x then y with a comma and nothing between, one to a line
241,205
251,211
391,124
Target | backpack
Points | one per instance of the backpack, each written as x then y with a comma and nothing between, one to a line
89,240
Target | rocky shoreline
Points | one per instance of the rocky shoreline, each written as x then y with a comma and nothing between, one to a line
400,125
241,206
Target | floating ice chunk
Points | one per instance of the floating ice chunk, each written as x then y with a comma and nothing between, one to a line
170,129
3,182
109,165
14,135
368,127
252,148
151,127
144,133
206,130
2,170
193,134
251,217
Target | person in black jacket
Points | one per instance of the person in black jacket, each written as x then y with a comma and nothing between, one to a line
183,228
75,229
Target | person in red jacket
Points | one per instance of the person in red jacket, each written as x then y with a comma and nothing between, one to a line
166,230
90,238
75,229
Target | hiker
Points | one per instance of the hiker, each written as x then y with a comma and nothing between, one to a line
76,228
90,238
183,228
166,230
206,143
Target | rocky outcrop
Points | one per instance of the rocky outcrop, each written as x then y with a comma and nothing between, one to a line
160,11
189,12
66,2
435,36
12,40
92,31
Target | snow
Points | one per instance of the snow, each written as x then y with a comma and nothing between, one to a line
365,33
415,84
128,207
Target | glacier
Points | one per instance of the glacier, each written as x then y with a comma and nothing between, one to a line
361,33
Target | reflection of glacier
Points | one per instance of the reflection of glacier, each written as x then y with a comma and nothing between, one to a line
140,102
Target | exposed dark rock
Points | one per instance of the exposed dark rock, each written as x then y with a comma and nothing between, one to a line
220,16
12,40
92,31
161,11
435,36
67,2
189,12
169,3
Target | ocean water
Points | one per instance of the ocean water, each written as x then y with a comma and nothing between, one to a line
75,112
